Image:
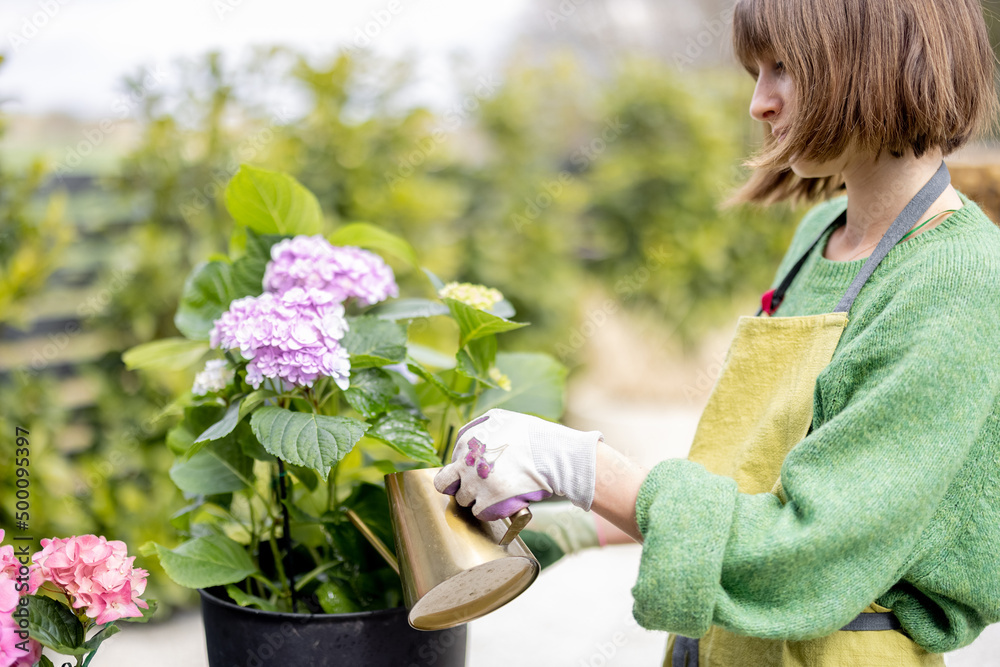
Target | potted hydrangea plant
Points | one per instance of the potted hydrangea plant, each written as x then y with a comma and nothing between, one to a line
315,387
68,597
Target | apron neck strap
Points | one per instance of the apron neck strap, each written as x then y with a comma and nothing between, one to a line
901,225
910,215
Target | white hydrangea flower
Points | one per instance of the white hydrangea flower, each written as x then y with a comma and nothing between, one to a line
215,377
477,296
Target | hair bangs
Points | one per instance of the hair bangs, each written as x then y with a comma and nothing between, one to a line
753,32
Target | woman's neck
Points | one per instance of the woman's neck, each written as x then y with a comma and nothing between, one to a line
877,191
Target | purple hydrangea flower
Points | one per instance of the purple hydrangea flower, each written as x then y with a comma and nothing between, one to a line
311,262
294,336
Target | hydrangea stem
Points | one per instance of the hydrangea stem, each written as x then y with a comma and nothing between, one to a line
286,533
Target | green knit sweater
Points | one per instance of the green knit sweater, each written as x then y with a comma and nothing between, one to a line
893,497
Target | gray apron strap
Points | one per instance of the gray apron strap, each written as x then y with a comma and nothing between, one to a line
882,620
685,652
907,219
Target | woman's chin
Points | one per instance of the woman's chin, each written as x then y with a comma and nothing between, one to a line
811,169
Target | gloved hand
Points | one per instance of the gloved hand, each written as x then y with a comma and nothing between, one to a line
505,460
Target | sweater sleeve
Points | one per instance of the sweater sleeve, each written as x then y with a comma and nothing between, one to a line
902,403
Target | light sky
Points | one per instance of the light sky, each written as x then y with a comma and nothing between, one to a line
70,55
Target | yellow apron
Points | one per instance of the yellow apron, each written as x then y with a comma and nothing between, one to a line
760,408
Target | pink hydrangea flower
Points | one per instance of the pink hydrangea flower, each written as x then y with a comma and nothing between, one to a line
10,654
311,262
95,573
9,567
294,336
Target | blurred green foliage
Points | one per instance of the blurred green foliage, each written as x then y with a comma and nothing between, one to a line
543,180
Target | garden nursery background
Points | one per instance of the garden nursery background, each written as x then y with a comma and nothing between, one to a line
571,153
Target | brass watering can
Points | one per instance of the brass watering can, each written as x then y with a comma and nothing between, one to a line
454,567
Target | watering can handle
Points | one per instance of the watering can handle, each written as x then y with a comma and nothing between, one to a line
518,521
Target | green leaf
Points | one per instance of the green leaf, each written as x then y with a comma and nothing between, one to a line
107,630
477,358
197,418
428,356
212,286
474,323
207,293
372,237
248,271
224,426
435,281
250,445
538,386
270,202
169,354
374,342
409,309
146,613
246,600
439,384
214,560
305,475
253,399
504,309
370,502
335,598
314,441
371,391
45,662
54,625
407,434
220,467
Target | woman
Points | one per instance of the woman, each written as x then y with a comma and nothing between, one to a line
841,501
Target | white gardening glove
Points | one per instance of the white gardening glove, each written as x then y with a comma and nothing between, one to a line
505,460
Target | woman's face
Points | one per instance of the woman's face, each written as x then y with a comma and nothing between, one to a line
773,102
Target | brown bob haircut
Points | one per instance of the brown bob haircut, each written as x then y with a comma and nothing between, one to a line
889,75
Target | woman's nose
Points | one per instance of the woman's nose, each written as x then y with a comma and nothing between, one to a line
764,104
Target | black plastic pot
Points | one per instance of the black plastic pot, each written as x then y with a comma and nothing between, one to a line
241,637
